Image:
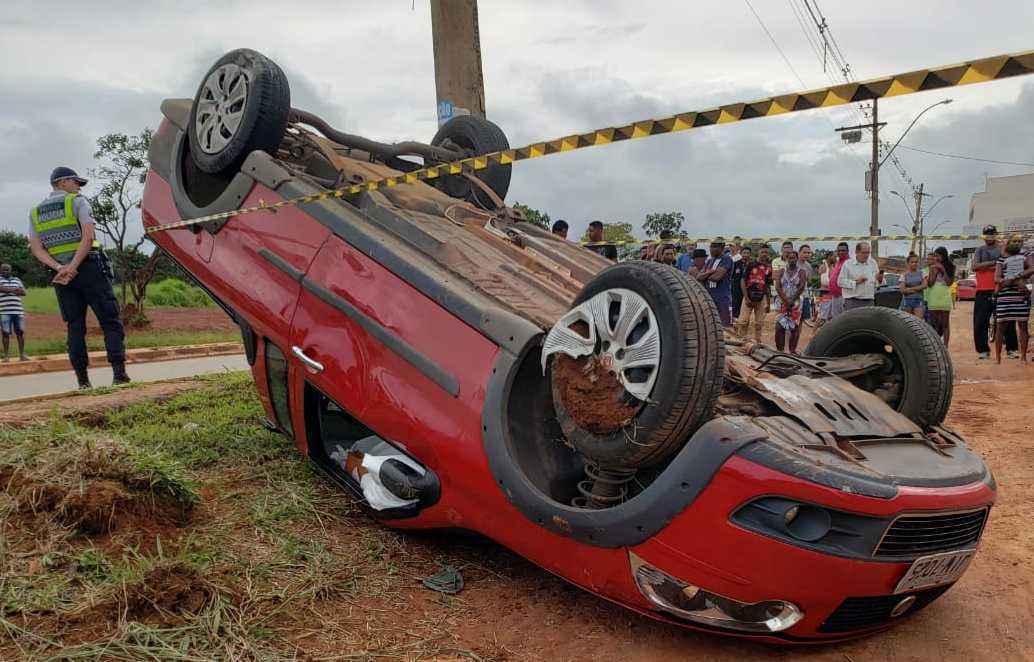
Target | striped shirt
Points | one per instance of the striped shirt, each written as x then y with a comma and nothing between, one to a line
10,303
1012,303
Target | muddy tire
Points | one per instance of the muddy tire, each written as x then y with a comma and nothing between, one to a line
241,105
479,136
689,373
920,370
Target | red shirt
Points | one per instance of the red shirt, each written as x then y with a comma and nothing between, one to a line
986,277
834,288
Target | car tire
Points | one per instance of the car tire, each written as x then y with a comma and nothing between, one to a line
223,133
920,365
478,136
689,376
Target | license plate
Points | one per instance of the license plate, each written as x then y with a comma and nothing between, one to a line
935,570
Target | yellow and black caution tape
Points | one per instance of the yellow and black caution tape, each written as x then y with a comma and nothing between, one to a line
975,71
813,238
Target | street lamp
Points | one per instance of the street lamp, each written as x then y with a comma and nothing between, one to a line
934,232
943,197
943,102
905,202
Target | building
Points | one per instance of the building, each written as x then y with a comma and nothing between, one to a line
1005,202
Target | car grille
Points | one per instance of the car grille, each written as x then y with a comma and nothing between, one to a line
913,535
862,613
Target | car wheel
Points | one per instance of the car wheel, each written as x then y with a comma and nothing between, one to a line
636,366
918,380
241,105
478,136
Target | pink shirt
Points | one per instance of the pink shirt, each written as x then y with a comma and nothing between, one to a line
834,288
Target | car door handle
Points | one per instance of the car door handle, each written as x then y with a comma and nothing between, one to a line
311,364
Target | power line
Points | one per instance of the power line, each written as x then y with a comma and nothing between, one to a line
802,11
775,43
830,46
790,65
967,158
782,53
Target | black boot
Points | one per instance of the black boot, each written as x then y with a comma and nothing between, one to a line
119,374
83,377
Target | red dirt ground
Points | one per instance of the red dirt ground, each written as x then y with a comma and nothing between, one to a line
169,320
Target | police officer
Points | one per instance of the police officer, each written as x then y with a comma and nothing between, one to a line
61,234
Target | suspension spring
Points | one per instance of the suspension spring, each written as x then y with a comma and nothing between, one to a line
603,488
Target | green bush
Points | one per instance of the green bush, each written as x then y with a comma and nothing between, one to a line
175,293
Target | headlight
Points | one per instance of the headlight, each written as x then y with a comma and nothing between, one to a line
700,606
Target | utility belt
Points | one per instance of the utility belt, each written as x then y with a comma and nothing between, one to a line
103,262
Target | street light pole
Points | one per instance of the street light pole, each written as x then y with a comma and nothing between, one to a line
919,216
942,102
934,231
907,208
873,180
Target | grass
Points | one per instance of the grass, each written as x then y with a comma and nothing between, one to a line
40,300
168,292
288,565
134,340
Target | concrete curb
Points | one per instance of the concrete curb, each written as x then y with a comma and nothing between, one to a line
90,393
59,362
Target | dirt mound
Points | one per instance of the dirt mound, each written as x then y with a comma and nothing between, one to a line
90,418
96,506
591,395
104,506
29,494
173,589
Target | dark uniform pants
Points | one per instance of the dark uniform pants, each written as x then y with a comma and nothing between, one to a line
91,288
983,310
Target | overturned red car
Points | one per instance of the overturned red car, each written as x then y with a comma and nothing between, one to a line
455,367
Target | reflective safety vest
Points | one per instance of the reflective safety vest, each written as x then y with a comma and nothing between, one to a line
58,229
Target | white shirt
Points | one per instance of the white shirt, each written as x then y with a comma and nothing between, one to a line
854,270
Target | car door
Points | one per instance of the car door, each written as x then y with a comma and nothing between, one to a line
386,353
260,258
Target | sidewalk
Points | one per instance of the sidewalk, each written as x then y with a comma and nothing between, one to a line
59,362
16,387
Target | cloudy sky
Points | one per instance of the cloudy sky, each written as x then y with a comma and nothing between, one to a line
552,68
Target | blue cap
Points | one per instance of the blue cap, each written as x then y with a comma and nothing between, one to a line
62,172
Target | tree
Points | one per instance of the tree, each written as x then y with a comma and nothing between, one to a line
533,216
14,250
659,221
123,162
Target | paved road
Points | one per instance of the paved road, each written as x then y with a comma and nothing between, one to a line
45,383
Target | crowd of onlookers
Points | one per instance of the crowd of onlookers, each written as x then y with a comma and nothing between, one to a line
747,281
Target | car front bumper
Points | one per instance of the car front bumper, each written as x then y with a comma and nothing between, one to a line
840,595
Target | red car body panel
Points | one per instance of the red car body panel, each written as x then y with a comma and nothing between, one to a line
443,430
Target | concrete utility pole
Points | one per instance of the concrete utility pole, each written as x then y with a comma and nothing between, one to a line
872,182
458,79
918,229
